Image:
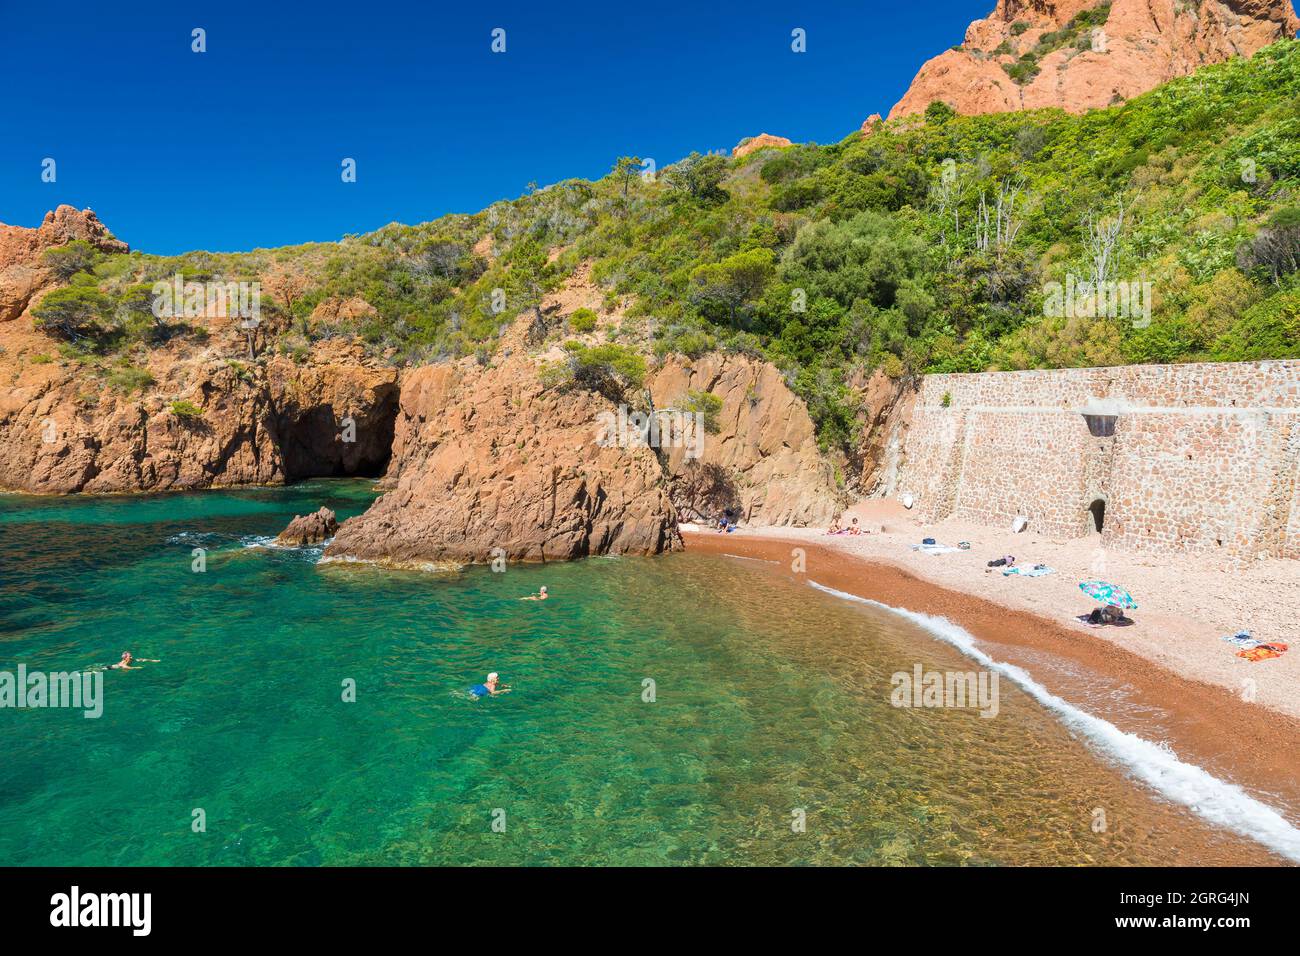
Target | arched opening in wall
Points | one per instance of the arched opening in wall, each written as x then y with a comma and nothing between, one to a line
1101,426
1098,511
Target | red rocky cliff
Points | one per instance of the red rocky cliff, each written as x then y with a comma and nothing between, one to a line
23,273
488,458
1138,45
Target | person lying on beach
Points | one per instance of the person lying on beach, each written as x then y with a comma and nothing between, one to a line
125,663
728,520
539,596
491,687
1110,614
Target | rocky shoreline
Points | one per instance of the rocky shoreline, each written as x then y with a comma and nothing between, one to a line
480,458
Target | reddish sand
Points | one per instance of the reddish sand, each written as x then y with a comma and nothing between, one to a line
1206,724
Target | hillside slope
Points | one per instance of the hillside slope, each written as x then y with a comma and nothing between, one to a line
930,243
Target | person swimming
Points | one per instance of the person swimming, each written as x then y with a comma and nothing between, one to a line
125,663
491,687
539,596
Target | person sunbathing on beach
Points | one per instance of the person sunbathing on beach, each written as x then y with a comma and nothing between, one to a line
492,687
853,528
125,663
1110,614
835,526
539,596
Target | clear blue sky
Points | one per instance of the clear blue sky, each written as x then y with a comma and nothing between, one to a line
241,146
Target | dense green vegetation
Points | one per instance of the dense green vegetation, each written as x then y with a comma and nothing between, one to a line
931,245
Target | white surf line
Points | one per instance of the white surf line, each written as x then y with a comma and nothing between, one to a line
742,557
1219,802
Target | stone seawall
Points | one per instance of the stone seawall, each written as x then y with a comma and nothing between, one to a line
1200,457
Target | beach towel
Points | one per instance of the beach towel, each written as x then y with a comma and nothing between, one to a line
933,548
1037,571
1263,652
1241,640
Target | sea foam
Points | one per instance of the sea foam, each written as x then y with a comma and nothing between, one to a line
1155,764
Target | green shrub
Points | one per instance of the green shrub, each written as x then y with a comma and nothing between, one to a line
939,112
582,320
67,260
706,404
129,379
185,410
75,312
608,369
1268,330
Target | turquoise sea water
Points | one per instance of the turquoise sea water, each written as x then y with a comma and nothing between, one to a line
771,699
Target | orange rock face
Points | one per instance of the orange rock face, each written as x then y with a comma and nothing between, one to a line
62,431
479,456
23,273
761,141
763,443
1142,44
487,459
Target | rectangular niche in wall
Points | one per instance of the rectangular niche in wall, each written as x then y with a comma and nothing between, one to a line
1100,426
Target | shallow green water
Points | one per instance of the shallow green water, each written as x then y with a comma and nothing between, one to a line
770,697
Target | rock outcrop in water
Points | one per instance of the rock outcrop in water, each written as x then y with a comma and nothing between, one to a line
487,462
1027,54
309,529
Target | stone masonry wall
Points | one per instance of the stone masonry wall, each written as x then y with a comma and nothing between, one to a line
1204,457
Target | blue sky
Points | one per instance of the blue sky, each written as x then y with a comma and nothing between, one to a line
241,146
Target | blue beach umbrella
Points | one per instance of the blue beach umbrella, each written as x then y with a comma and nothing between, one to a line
1108,593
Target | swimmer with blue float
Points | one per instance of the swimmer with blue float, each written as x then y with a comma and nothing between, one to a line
491,687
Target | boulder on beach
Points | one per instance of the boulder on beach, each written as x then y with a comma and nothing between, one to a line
310,529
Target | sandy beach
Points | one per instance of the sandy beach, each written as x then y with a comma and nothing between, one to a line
1169,669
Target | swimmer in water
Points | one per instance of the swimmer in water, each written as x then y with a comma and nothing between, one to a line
125,663
539,596
492,687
